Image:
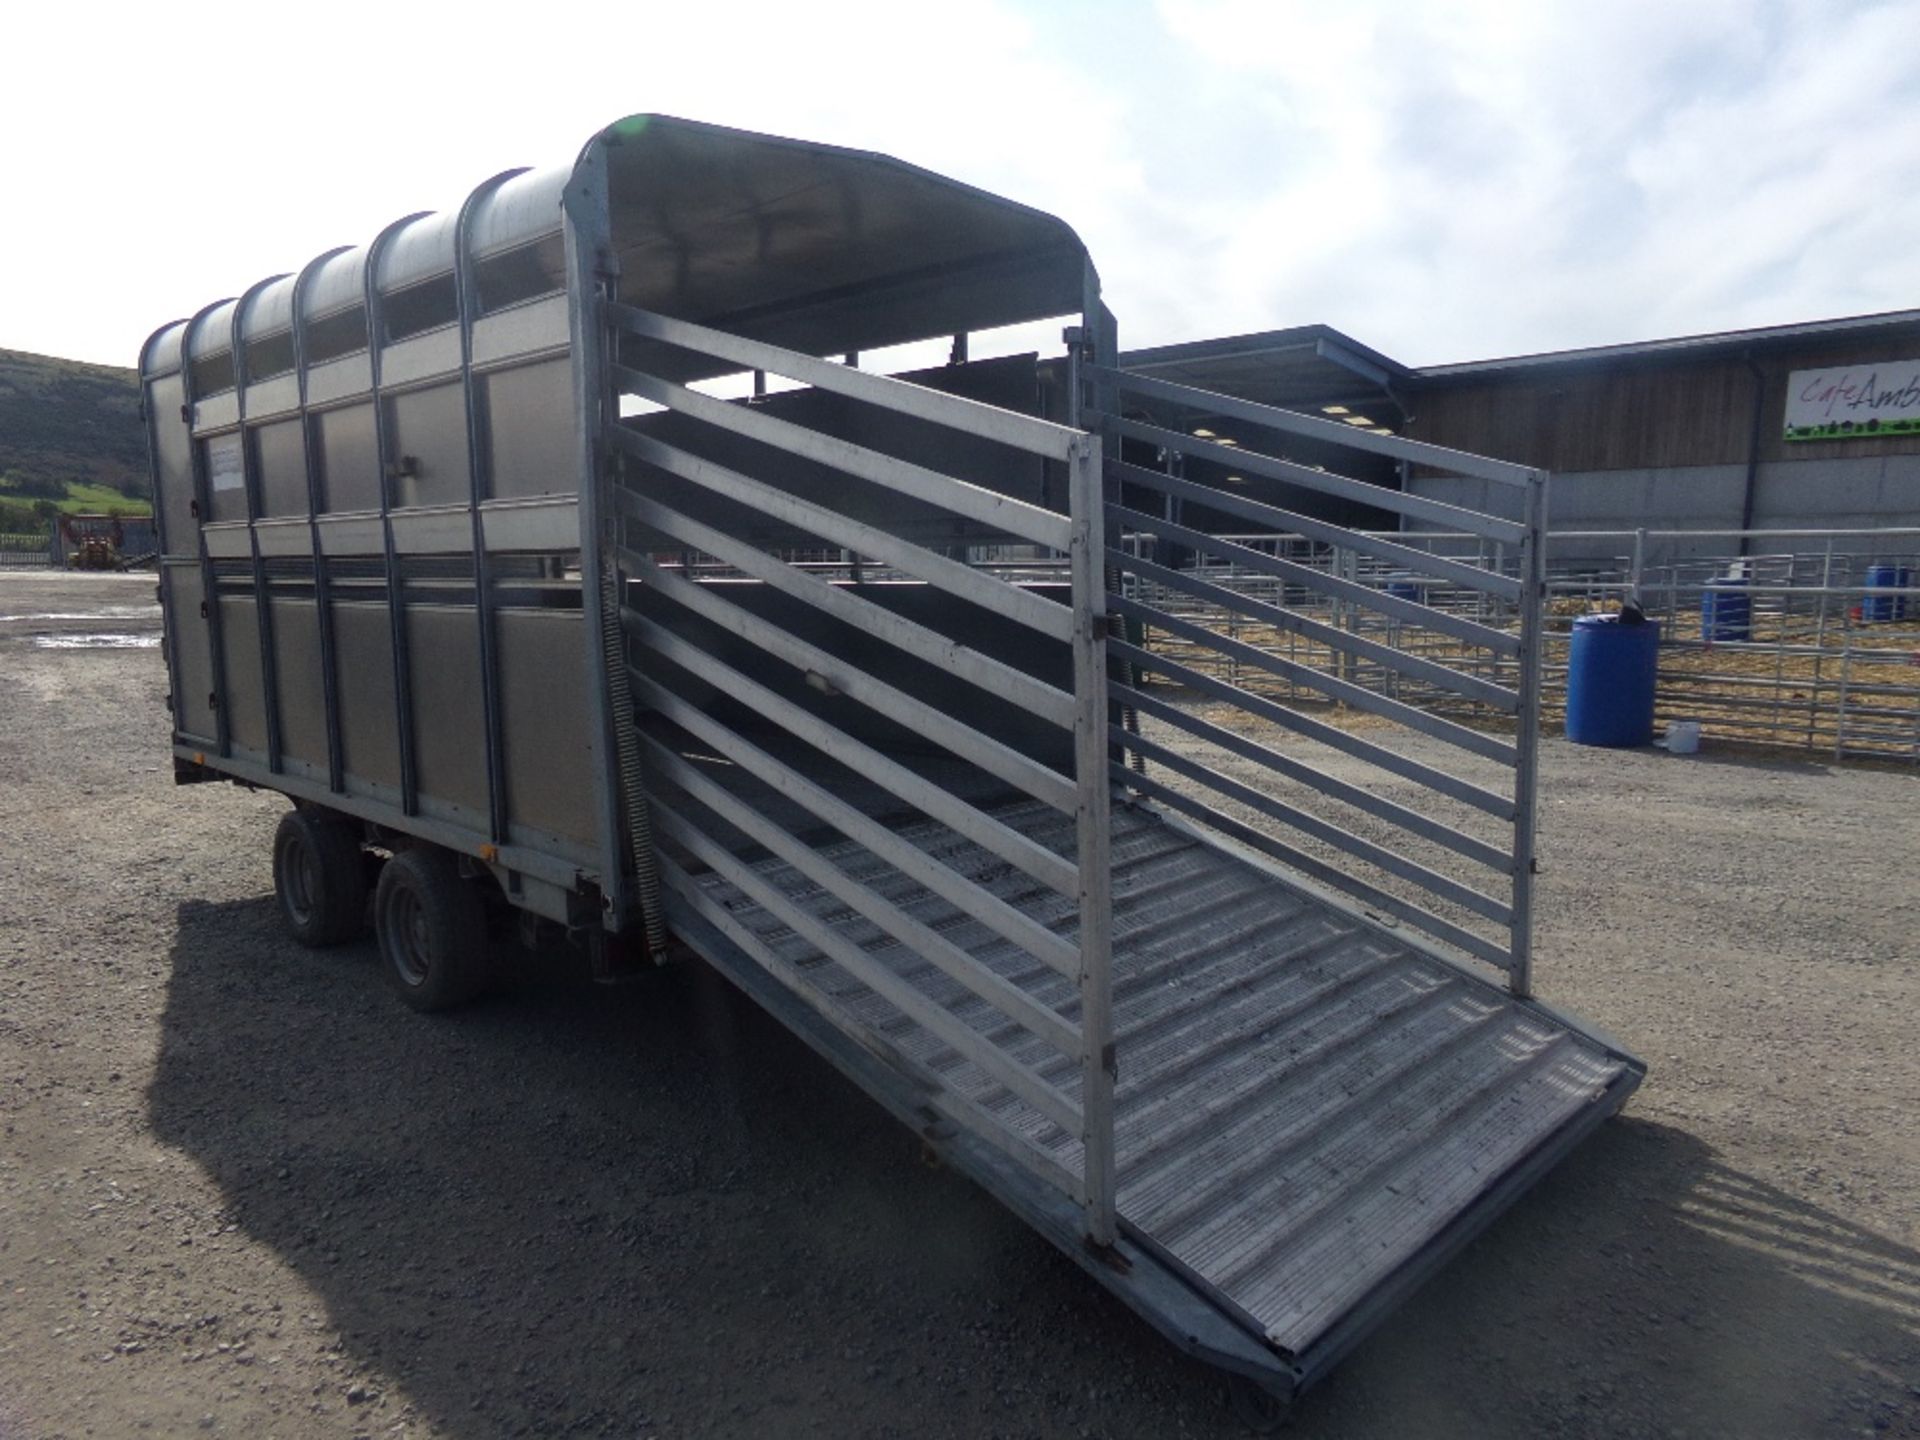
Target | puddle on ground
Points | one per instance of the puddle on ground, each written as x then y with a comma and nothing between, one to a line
96,642
105,612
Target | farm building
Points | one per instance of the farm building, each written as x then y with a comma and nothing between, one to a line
1806,426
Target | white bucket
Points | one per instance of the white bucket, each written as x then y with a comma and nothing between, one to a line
1683,737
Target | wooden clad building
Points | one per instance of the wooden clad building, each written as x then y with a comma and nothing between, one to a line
1807,426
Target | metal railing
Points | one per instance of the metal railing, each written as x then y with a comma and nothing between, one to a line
1789,639
1227,634
1803,640
904,823
30,551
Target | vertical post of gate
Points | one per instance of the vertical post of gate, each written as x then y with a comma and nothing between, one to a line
1526,765
1087,558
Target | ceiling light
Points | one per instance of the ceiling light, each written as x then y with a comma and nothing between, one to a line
1228,440
1333,410
1203,434
1358,420
1236,479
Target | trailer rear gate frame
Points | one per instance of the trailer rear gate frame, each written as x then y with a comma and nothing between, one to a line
458,541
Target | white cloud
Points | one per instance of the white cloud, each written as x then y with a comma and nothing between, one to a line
1444,181
1486,178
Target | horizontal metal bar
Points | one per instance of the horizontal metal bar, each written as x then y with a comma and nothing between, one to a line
905,997
1410,663
1891,532
1411,611
1852,684
850,608
1290,472
1331,736
1010,601
1733,590
956,964
997,759
961,497
1460,462
555,869
1290,524
1476,742
1394,813
1404,662
983,905
1006,427
1054,871
1394,863
1461,939
935,1093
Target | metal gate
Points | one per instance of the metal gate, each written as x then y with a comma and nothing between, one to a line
899,749
1263,612
900,660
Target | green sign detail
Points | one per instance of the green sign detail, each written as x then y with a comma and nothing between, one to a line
1854,430
1875,400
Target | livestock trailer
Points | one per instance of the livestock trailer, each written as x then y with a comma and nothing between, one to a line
558,556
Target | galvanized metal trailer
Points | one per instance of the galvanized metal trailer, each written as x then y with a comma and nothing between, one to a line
855,686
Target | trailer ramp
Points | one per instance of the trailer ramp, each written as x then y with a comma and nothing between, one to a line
1304,1105
968,828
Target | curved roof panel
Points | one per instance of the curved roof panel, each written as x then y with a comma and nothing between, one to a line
816,247
822,248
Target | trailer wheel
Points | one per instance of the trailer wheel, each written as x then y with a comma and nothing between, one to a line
432,928
319,877
1256,1407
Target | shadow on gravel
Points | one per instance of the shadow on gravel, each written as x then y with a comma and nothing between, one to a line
650,1211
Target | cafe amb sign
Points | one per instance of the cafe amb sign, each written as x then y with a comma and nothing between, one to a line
1854,402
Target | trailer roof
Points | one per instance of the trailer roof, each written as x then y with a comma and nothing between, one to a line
820,248
814,247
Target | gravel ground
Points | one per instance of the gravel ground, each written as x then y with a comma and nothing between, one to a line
243,1192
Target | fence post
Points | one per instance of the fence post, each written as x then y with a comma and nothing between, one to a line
1533,603
1087,557
1819,644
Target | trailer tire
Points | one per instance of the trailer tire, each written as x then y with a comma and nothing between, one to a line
1257,1407
432,928
319,877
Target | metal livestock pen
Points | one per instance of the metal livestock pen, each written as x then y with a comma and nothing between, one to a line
838,682
1803,640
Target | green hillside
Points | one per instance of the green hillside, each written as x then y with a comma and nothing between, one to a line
70,433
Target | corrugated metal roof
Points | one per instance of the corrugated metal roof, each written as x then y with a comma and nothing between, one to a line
1305,366
1309,365
1686,346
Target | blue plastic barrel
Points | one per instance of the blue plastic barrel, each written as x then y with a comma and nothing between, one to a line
1726,611
1879,609
1406,587
1610,677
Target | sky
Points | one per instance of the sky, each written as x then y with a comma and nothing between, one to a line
1443,181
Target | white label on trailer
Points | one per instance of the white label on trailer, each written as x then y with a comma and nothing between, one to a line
1854,402
224,470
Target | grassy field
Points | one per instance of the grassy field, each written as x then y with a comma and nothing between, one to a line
84,497
67,423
